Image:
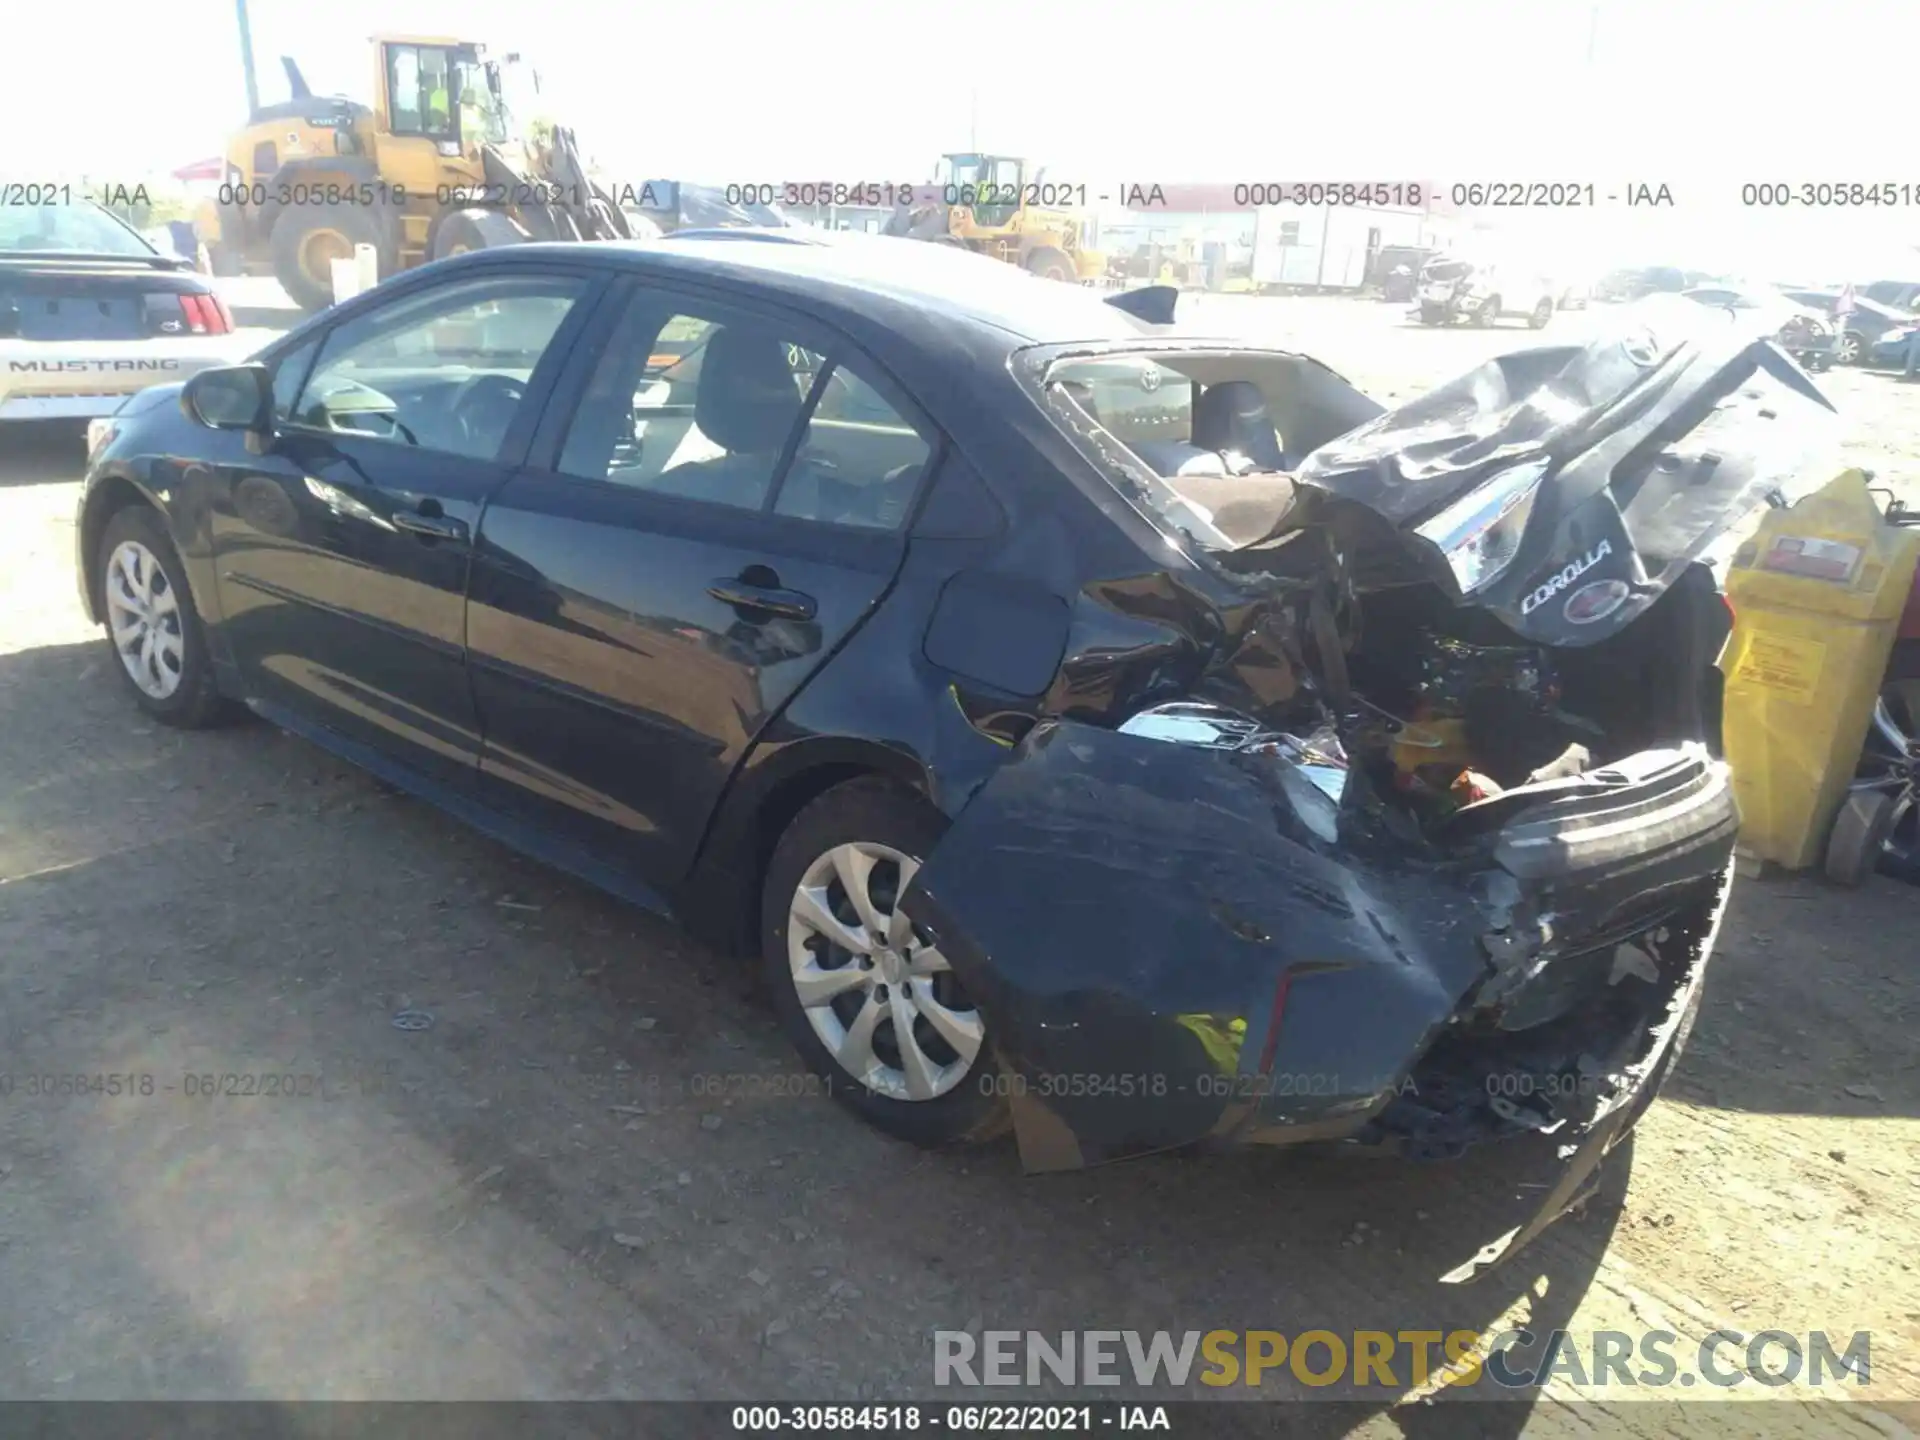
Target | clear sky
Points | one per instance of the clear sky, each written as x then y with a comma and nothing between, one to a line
1700,94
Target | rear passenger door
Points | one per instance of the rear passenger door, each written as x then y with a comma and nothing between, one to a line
717,498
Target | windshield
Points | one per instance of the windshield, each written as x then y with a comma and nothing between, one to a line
75,229
483,108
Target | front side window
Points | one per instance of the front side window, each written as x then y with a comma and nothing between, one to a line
446,370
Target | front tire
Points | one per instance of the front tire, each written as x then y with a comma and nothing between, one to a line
153,629
873,1008
1542,313
1488,314
307,238
1050,264
1850,348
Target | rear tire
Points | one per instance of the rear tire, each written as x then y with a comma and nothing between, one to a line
1050,264
141,590
868,828
1488,315
1542,313
1860,831
223,262
303,236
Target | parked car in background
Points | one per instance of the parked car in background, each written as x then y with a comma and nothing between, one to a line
1802,331
1900,294
1889,351
90,313
1453,288
1635,283
1865,323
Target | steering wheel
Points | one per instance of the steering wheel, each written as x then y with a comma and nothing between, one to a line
482,409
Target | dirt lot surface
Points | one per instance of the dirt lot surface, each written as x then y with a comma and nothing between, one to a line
582,1181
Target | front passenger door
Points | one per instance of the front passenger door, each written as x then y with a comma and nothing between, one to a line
342,553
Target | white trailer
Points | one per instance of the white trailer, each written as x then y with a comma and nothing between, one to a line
1302,247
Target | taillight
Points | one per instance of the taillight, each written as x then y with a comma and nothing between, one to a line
206,315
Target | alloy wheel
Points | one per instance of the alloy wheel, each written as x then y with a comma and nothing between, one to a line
882,999
143,615
1846,349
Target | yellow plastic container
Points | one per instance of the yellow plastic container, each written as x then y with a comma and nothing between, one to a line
1817,595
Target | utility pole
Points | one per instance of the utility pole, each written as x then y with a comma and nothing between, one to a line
1593,31
246,58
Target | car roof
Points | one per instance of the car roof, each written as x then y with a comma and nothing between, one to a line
922,286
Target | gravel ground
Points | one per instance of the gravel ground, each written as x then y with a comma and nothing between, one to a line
583,1180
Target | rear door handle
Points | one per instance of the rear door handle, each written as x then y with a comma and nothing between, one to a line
430,527
769,599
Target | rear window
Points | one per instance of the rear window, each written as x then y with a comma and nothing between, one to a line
66,229
1183,432
1133,398
1448,270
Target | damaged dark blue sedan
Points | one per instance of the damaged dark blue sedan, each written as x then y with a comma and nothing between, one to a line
1129,737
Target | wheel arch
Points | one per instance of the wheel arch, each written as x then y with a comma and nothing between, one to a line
107,497
720,899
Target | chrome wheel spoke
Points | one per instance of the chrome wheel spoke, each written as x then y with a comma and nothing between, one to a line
854,866
927,960
856,1050
923,1076
816,986
810,909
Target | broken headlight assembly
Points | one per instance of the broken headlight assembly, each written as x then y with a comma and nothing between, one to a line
1479,534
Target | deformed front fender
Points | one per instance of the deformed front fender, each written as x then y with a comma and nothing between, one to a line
1165,953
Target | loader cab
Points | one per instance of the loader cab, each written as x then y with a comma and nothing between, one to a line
1000,178
441,102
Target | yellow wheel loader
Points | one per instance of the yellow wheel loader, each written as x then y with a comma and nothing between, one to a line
440,163
993,205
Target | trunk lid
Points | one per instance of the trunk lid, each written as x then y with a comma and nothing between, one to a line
1651,441
53,300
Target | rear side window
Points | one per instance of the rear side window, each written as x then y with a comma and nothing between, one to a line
710,405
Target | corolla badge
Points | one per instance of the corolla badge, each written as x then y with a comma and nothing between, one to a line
1593,603
1561,579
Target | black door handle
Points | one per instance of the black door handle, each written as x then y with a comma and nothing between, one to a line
768,599
430,527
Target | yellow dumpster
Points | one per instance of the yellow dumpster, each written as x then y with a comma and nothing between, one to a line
1817,595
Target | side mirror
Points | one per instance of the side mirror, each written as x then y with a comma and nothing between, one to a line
231,397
